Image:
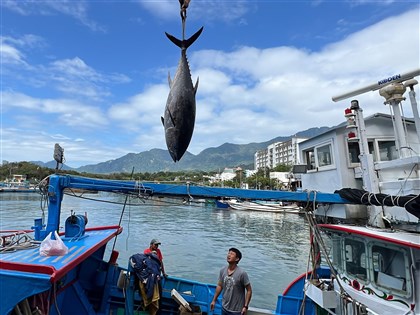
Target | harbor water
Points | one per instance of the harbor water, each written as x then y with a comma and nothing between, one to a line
195,238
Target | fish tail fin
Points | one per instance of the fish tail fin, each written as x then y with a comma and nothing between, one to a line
192,39
184,44
174,40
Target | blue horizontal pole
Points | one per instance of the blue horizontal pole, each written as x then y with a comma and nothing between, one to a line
195,191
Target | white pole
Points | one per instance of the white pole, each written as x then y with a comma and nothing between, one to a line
412,95
400,137
380,84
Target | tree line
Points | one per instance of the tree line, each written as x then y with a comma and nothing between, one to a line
260,180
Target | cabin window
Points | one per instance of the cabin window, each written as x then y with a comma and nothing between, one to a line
310,159
324,155
387,150
354,152
337,258
355,258
381,150
390,267
319,157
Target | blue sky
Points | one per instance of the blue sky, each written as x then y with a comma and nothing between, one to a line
92,75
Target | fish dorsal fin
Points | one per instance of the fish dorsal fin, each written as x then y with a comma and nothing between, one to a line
196,86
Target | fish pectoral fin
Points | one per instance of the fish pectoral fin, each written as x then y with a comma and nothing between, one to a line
169,79
163,120
196,86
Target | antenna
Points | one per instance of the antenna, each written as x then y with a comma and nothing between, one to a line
380,84
58,154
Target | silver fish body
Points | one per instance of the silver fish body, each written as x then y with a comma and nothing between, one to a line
179,115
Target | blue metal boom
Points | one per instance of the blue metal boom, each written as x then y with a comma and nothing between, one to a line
57,183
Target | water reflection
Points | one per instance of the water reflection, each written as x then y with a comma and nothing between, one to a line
195,239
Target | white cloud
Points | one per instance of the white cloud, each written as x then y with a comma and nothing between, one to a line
10,54
75,77
245,95
287,90
142,110
253,95
71,76
11,48
206,10
75,9
68,112
33,145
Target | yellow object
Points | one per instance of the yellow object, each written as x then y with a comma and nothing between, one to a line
152,304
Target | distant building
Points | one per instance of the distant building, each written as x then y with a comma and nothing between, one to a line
227,174
249,173
278,153
281,177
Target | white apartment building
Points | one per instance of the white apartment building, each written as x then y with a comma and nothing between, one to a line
278,153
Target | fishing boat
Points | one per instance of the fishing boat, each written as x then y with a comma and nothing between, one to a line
371,248
260,205
363,214
221,203
77,276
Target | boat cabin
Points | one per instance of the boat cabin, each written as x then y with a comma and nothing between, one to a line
376,267
332,160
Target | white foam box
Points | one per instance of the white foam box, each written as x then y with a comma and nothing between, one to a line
325,299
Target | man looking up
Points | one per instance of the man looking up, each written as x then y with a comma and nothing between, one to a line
233,281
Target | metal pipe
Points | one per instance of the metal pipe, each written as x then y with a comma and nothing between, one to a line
380,84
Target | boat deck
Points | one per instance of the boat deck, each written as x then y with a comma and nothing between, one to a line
30,260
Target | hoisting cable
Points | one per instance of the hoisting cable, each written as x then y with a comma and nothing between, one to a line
122,212
183,11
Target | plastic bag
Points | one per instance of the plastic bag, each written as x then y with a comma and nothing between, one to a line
50,247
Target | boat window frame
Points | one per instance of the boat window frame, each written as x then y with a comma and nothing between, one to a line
373,144
311,157
358,265
407,292
339,238
337,257
378,151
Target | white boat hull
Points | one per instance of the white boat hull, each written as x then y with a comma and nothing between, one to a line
267,207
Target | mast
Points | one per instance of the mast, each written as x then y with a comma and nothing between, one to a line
392,89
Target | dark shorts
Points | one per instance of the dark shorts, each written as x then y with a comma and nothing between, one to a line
225,312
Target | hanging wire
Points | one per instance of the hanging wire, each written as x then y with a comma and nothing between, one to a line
122,212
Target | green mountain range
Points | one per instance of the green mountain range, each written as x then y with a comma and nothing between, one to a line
211,159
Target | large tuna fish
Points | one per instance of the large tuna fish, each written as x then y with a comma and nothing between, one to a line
179,116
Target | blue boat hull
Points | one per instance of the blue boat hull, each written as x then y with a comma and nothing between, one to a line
82,281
